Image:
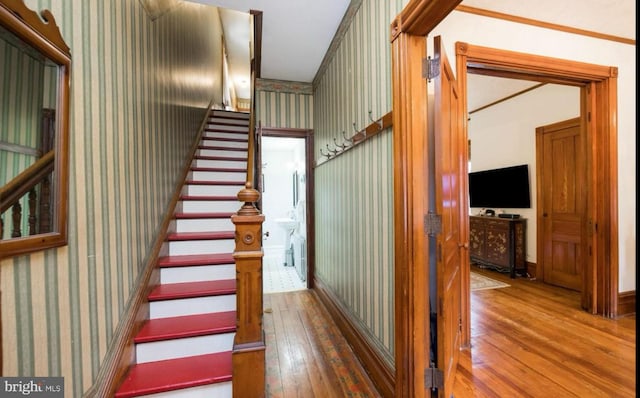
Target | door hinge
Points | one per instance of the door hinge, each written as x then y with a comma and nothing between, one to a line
433,378
432,224
430,68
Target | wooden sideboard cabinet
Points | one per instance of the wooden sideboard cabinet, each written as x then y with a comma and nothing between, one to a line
499,243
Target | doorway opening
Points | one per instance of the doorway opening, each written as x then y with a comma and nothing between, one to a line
284,205
505,115
597,85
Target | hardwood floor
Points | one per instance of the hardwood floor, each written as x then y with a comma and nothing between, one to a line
527,340
533,340
307,356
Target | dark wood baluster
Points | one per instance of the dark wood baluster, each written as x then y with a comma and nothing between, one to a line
1,228
32,211
16,216
45,206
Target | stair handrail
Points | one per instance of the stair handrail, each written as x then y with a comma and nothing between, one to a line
20,185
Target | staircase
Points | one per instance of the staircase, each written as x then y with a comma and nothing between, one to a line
184,348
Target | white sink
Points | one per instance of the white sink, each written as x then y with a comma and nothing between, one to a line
289,225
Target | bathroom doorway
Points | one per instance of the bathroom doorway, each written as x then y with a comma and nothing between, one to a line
285,189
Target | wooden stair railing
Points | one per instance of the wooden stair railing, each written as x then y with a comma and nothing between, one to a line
23,184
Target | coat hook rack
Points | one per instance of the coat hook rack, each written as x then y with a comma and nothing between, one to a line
371,130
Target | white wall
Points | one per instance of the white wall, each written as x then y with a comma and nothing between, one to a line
506,35
281,156
504,135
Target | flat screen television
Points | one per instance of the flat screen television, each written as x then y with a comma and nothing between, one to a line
507,187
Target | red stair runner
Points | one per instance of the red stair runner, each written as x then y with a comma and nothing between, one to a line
192,289
154,377
186,326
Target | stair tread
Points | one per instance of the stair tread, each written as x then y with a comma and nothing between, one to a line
172,374
196,259
180,236
225,139
172,291
222,148
187,326
183,216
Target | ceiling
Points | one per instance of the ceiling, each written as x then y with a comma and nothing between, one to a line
296,35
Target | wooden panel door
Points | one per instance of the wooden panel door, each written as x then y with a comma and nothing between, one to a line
562,199
449,144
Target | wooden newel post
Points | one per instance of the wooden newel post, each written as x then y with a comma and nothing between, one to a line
249,344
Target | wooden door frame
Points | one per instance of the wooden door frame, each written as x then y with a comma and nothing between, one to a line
598,107
411,202
408,48
307,135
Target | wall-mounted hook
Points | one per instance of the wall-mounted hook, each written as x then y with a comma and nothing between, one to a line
378,122
363,132
332,151
342,146
347,138
327,155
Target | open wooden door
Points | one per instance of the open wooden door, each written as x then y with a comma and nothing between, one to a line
449,145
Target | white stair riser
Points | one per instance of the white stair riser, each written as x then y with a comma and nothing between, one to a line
217,390
183,347
226,121
209,206
204,225
236,129
186,247
218,176
192,306
225,144
217,112
198,273
224,164
227,153
211,190
224,134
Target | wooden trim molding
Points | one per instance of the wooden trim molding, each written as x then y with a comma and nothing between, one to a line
599,108
627,303
381,374
542,24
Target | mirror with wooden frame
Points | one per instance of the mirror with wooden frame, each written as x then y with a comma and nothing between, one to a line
34,131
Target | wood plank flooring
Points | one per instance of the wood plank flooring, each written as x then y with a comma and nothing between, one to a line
527,340
533,340
307,356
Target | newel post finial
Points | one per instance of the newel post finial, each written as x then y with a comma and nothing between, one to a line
249,196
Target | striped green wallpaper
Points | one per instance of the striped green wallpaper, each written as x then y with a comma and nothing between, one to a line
139,92
283,109
354,192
